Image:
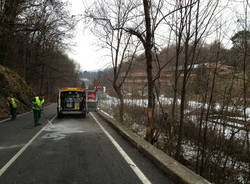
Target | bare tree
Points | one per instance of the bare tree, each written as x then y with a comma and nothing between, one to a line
31,35
192,23
140,25
241,45
109,18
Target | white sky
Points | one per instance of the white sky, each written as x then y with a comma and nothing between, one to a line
85,52
91,57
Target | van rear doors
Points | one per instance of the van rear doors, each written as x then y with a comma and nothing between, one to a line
71,101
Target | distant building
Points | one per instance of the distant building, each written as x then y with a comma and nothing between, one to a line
138,80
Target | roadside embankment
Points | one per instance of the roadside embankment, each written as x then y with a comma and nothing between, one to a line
176,171
11,84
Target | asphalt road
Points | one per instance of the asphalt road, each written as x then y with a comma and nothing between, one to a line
71,150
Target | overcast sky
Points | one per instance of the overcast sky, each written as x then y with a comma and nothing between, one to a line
85,50
91,57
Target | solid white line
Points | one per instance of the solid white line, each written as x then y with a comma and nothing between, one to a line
13,159
136,170
19,115
4,120
10,147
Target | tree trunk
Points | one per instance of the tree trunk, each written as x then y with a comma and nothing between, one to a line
121,108
204,146
183,101
41,79
148,53
120,96
7,22
244,84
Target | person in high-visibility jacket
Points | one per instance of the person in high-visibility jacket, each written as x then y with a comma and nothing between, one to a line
13,107
37,104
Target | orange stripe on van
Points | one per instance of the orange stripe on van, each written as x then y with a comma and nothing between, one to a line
72,89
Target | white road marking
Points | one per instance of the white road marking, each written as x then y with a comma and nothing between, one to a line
11,147
15,157
4,120
19,115
133,166
49,124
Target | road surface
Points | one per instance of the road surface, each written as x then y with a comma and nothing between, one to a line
71,150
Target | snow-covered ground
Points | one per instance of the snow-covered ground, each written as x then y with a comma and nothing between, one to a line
166,101
112,101
190,150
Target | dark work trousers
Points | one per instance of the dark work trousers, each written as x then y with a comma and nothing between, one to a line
13,113
37,115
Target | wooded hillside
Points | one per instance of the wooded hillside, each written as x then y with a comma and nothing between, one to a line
33,37
13,85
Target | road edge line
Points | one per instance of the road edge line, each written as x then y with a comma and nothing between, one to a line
18,115
4,120
173,169
130,162
15,157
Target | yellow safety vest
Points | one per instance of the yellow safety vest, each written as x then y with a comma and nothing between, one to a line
13,103
38,103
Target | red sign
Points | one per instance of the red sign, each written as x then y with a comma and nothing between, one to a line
99,86
91,95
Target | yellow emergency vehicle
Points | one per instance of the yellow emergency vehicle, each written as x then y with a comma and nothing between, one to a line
76,101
